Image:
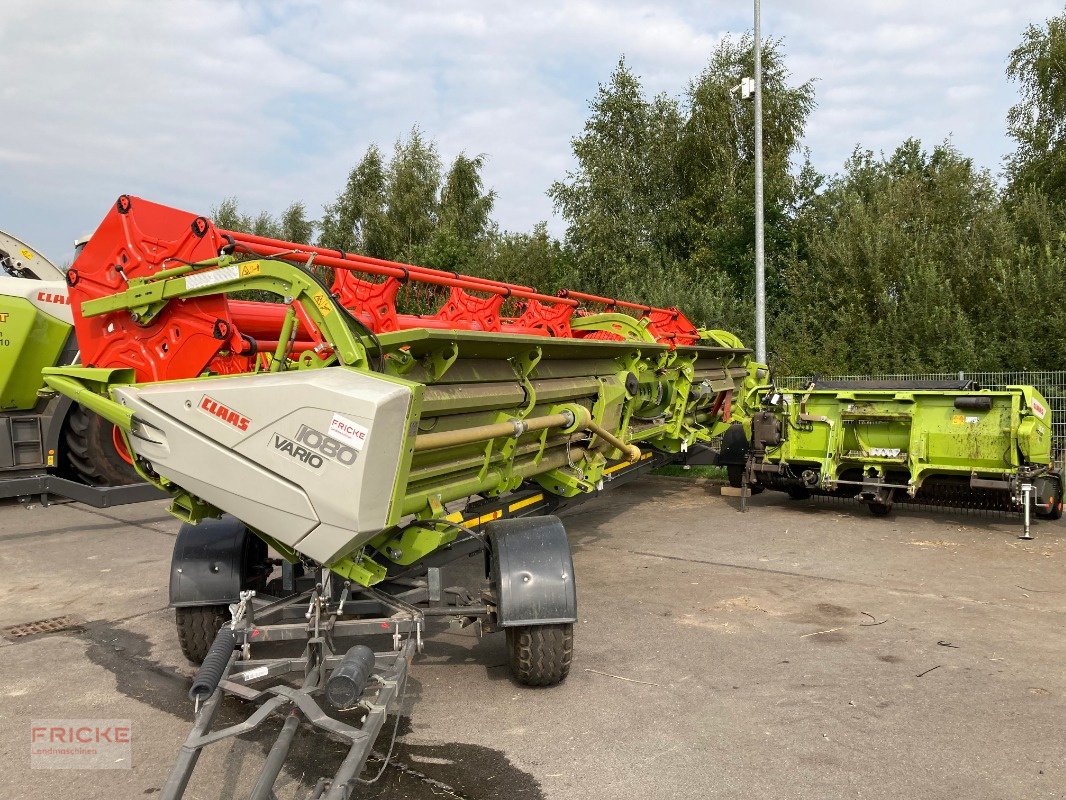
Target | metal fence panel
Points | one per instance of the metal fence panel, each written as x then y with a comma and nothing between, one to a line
1050,384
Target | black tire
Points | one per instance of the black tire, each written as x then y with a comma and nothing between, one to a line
735,473
879,509
197,627
90,450
1053,514
540,655
797,493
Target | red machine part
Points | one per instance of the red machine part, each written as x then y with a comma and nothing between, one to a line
136,239
139,238
666,325
375,302
543,315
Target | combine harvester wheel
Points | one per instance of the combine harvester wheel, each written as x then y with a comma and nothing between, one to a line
96,451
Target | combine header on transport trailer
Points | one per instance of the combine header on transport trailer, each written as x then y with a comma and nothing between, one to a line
340,426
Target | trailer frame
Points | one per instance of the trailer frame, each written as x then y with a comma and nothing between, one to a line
330,610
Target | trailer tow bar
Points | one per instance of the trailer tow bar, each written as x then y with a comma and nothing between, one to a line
365,681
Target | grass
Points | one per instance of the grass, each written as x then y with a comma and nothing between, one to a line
681,471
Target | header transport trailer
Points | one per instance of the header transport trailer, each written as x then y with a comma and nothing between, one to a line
948,443
339,427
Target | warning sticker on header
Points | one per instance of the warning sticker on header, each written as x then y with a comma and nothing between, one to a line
1038,408
323,303
346,430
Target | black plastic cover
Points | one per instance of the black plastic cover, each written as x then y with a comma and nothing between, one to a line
974,403
533,571
348,680
734,449
211,562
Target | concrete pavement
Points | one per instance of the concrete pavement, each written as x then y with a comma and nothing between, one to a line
803,649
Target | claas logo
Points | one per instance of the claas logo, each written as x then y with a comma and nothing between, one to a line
227,415
50,297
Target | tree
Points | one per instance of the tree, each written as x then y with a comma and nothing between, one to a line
355,221
661,203
534,259
411,201
895,269
294,225
716,165
465,206
465,219
618,202
1038,121
227,215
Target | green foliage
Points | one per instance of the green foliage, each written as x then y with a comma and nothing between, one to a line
531,259
463,232
716,163
411,197
619,202
355,221
692,471
293,224
665,189
888,256
1038,121
406,210
465,206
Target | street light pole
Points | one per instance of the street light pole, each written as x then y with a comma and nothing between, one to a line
760,255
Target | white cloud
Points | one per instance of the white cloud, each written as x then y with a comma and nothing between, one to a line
186,102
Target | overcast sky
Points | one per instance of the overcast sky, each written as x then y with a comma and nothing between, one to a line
189,102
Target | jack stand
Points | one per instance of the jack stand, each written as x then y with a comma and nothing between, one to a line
1027,496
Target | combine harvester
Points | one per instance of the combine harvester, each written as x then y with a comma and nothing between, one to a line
928,442
49,445
341,427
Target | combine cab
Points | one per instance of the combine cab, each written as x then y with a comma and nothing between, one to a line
369,432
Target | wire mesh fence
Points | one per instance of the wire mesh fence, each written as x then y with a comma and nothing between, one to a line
1052,385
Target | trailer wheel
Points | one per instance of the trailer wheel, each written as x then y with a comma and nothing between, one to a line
880,509
1054,513
197,628
798,493
540,655
92,450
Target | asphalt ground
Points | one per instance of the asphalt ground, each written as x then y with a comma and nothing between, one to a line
799,650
